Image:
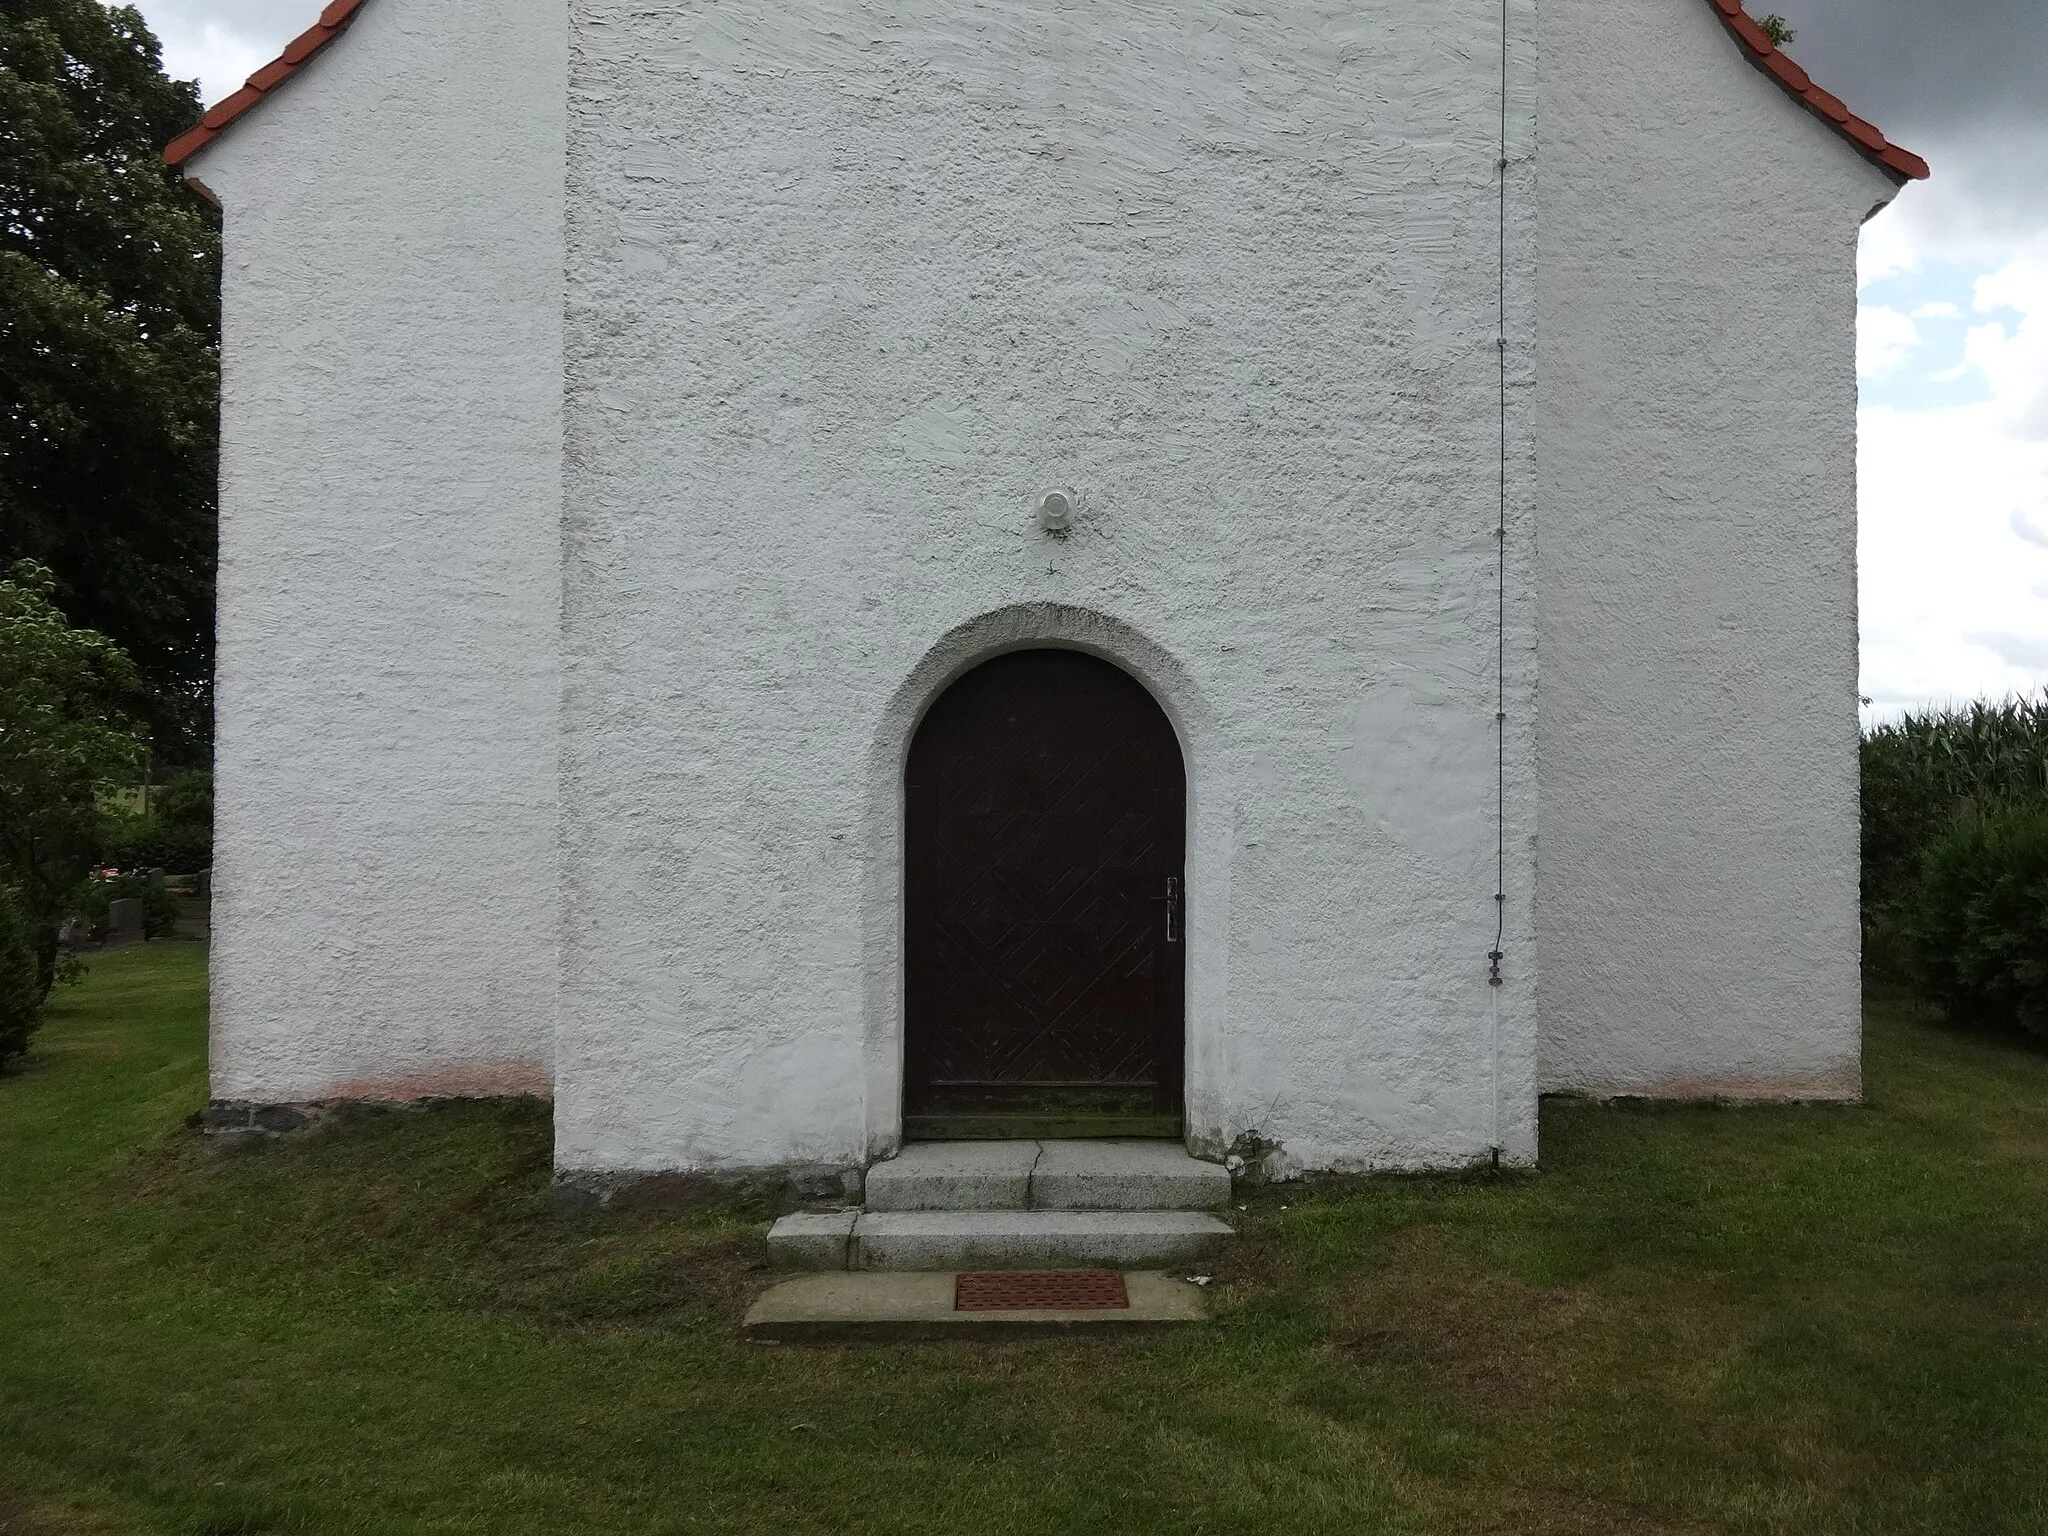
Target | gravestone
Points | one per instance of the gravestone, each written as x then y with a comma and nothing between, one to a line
124,920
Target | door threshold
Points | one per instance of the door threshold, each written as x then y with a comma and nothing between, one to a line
1041,1126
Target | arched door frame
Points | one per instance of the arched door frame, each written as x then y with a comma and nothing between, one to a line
1045,872
955,653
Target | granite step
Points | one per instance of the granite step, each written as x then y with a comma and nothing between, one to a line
920,1305
1003,1239
1105,1175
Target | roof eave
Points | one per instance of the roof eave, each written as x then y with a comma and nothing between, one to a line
298,53
1902,164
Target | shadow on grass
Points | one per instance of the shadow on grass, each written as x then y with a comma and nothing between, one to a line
1901,1002
454,1198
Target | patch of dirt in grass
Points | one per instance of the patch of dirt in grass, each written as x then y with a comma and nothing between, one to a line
1473,1336
2018,1140
630,1270
1260,1263
17,1519
1555,1512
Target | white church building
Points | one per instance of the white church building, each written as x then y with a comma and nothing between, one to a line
800,575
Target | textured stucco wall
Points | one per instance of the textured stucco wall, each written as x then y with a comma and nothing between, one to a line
849,284
1697,873
385,914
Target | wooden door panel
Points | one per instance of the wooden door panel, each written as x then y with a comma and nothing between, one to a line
1046,801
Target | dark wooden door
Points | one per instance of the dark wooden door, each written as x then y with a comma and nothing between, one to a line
1045,905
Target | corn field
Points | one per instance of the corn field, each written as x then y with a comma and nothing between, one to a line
1920,772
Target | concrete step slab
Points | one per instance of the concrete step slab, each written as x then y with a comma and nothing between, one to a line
813,1240
919,1305
1125,1176
1033,1239
1080,1175
954,1176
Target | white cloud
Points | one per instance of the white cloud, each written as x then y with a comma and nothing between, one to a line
1887,249
220,60
2028,652
2015,360
1885,338
1953,561
1953,500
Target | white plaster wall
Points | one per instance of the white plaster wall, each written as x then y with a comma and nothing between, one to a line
1696,899
849,284
385,917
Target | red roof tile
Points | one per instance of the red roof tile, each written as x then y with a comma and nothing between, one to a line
1756,43
1797,84
332,23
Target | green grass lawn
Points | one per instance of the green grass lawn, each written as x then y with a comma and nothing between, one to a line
1796,1320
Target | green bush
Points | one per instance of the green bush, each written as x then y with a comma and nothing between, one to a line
68,743
1917,774
144,843
21,987
1976,933
94,897
176,836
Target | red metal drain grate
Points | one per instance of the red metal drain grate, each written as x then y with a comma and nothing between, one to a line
1069,1290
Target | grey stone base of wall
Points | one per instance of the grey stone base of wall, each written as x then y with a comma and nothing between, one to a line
807,1184
231,1119
236,1119
812,1185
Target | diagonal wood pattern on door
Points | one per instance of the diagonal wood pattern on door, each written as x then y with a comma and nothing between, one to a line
1045,802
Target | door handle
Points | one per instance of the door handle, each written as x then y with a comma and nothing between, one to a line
1172,902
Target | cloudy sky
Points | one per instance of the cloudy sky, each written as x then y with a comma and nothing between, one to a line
1953,348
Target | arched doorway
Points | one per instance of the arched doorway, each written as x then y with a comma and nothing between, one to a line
1045,906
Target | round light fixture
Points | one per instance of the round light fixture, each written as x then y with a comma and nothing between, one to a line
1056,511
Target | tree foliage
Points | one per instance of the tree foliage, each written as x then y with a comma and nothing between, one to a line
67,737
21,988
1977,932
175,834
109,346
